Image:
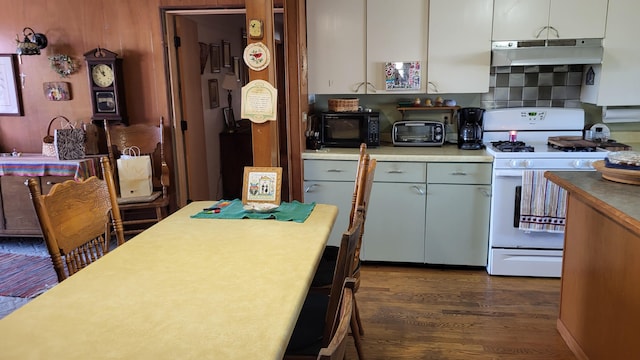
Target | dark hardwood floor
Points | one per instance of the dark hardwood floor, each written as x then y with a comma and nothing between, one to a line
427,313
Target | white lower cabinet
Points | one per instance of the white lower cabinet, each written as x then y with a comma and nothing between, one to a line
457,221
434,213
394,230
331,182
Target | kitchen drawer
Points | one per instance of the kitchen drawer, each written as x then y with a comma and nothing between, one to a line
396,171
331,170
459,173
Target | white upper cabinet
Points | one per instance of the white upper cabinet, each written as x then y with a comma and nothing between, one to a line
336,42
549,19
349,42
617,81
396,32
459,46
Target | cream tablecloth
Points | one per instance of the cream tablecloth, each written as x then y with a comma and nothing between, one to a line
184,289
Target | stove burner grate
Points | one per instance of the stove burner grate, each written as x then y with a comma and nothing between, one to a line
574,148
512,146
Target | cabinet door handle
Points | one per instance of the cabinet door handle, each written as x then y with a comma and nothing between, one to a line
309,188
541,30
434,86
485,192
358,86
371,87
459,173
419,189
395,172
556,31
334,170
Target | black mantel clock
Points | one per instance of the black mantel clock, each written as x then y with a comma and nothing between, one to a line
106,86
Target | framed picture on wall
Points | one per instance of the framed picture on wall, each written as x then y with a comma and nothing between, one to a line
214,100
10,96
236,67
215,58
226,54
204,54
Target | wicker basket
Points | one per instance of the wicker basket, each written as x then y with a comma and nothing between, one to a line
350,104
48,147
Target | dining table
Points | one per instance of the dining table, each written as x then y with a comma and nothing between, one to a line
188,287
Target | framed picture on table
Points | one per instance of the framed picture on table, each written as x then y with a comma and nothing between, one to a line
10,96
262,185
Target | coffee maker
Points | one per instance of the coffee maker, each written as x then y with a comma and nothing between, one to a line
470,128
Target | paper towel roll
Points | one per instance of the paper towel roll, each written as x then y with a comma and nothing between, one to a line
620,115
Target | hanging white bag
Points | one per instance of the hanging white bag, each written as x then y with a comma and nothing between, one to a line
134,173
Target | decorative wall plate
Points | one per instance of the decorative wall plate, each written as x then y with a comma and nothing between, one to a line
257,56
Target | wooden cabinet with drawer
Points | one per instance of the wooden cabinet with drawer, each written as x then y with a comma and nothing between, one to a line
18,214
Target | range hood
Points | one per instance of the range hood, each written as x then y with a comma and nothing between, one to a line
546,52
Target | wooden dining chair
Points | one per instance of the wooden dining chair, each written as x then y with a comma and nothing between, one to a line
138,213
360,203
338,345
77,219
318,318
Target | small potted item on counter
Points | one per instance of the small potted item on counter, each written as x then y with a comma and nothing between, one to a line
427,102
439,101
416,102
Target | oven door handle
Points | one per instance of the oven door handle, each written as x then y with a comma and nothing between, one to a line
509,173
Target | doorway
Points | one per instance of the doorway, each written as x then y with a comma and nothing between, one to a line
198,99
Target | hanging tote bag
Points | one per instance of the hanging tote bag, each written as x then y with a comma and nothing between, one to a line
134,173
48,146
69,142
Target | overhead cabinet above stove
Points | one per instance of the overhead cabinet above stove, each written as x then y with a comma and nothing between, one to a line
549,19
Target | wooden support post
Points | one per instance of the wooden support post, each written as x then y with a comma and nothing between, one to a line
265,135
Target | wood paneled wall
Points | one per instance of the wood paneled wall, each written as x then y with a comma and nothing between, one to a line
132,29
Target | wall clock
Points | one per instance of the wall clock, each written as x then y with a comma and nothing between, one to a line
106,85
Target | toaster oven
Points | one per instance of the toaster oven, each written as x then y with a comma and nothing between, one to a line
418,133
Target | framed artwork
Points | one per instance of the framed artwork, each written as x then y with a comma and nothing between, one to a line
262,185
10,96
204,54
57,91
215,58
214,99
226,54
236,67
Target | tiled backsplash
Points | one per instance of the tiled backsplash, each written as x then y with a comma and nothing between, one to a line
540,85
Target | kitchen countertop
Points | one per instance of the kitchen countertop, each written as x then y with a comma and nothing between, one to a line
609,196
445,153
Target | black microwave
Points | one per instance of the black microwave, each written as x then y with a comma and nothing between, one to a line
350,128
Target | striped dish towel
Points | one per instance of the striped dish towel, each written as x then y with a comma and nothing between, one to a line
543,205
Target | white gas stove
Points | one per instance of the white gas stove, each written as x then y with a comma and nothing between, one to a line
517,139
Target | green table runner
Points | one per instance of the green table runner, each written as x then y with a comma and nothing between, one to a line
287,211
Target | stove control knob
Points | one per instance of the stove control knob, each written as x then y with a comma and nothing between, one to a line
513,164
578,164
527,163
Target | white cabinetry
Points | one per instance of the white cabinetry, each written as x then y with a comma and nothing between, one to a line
457,219
553,19
331,182
396,32
419,212
336,42
394,229
617,80
459,46
348,42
